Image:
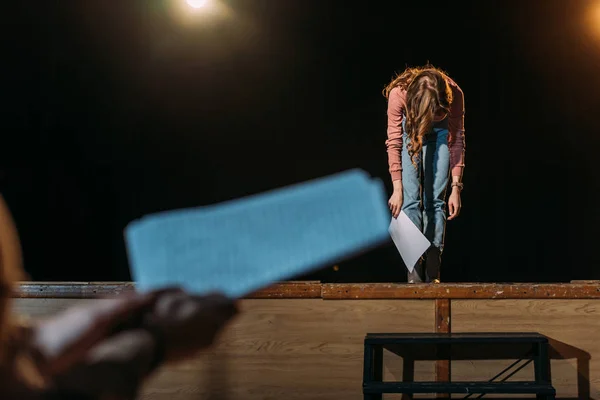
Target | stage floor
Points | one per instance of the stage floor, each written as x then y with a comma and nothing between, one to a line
304,340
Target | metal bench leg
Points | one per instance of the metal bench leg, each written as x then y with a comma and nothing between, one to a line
542,364
408,375
367,368
373,369
378,369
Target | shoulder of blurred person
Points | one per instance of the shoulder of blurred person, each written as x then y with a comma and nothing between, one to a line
18,369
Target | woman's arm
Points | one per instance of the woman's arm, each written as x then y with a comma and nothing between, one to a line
395,114
114,368
64,340
176,328
456,126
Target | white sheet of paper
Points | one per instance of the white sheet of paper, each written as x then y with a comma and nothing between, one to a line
409,240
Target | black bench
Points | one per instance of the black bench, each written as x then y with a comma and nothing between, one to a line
457,346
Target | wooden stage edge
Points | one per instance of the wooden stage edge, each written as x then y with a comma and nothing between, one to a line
342,291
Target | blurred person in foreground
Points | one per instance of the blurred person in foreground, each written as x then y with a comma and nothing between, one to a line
102,350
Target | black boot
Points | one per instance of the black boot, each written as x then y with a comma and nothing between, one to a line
433,261
416,276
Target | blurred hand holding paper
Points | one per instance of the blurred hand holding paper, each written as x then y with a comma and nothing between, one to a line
243,245
409,240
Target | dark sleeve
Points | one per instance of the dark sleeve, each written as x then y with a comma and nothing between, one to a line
65,395
16,390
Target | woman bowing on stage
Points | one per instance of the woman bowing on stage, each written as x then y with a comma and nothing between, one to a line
425,145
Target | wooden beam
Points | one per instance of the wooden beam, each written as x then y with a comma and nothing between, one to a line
443,324
488,291
290,290
89,290
341,291
71,290
443,315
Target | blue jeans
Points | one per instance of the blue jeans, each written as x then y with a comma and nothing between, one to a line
425,186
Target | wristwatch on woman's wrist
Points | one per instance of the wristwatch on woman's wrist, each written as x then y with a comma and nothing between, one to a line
459,185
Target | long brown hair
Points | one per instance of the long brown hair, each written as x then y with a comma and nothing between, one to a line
427,91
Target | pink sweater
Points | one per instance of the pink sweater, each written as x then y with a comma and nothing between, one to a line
456,131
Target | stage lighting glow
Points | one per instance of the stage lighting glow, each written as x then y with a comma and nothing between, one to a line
594,18
196,3
199,13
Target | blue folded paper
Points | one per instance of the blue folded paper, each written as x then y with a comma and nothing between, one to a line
240,246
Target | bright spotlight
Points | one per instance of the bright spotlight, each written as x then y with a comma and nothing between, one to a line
197,3
199,12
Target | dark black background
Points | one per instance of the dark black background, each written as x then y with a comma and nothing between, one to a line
111,110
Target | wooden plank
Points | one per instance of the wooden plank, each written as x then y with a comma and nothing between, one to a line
571,326
71,290
340,291
290,290
324,341
461,291
293,349
443,321
90,290
443,315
